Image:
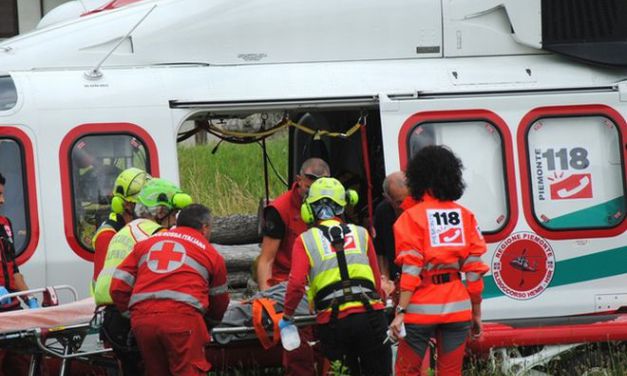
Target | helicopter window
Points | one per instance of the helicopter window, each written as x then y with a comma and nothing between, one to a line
8,93
15,191
96,161
8,19
576,174
484,172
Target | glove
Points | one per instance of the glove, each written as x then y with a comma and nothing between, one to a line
285,323
33,303
4,291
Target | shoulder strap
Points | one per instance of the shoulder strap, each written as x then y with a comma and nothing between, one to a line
335,235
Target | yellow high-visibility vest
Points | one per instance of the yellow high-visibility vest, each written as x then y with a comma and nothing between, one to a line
324,269
121,245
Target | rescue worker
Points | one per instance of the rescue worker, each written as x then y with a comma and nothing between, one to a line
339,262
282,225
11,280
125,190
436,239
394,192
158,203
169,282
396,199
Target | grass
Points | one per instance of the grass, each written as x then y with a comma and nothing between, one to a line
231,180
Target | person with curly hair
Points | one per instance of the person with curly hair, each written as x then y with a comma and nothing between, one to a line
437,240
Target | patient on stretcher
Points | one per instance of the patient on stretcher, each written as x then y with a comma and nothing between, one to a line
241,314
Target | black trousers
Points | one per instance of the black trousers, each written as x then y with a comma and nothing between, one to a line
356,342
116,331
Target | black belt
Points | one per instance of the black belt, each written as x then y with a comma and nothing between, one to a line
347,294
439,279
354,297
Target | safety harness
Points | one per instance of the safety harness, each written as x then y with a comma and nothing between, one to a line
347,289
258,306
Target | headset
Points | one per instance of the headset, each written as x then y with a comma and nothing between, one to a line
307,214
178,201
117,202
123,183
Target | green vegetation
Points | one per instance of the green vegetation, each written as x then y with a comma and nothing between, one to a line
338,369
231,180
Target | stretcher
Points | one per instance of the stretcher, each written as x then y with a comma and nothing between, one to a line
62,333
240,346
61,337
248,335
66,336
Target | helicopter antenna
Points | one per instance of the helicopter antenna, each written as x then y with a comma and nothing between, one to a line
95,73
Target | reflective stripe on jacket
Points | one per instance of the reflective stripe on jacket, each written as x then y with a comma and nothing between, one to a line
121,245
173,266
434,241
100,243
324,269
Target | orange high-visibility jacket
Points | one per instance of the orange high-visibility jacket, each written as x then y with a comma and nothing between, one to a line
435,241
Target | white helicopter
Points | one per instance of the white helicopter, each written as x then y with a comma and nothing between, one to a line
531,95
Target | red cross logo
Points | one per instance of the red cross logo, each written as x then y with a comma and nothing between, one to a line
165,256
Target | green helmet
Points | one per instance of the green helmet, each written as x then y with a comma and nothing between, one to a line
160,192
329,188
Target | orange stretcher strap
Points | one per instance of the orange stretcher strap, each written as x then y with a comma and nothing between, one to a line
258,307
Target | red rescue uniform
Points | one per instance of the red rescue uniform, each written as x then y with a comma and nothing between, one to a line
288,207
171,283
435,241
349,332
11,363
100,241
299,276
7,263
299,362
404,353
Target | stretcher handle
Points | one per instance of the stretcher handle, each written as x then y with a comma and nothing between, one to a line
39,340
41,290
298,320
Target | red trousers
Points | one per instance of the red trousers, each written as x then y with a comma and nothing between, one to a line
450,343
300,362
172,343
408,362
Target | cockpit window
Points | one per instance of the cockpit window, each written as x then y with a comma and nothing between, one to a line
8,93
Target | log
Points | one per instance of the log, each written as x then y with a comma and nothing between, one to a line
235,229
238,257
239,294
238,279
